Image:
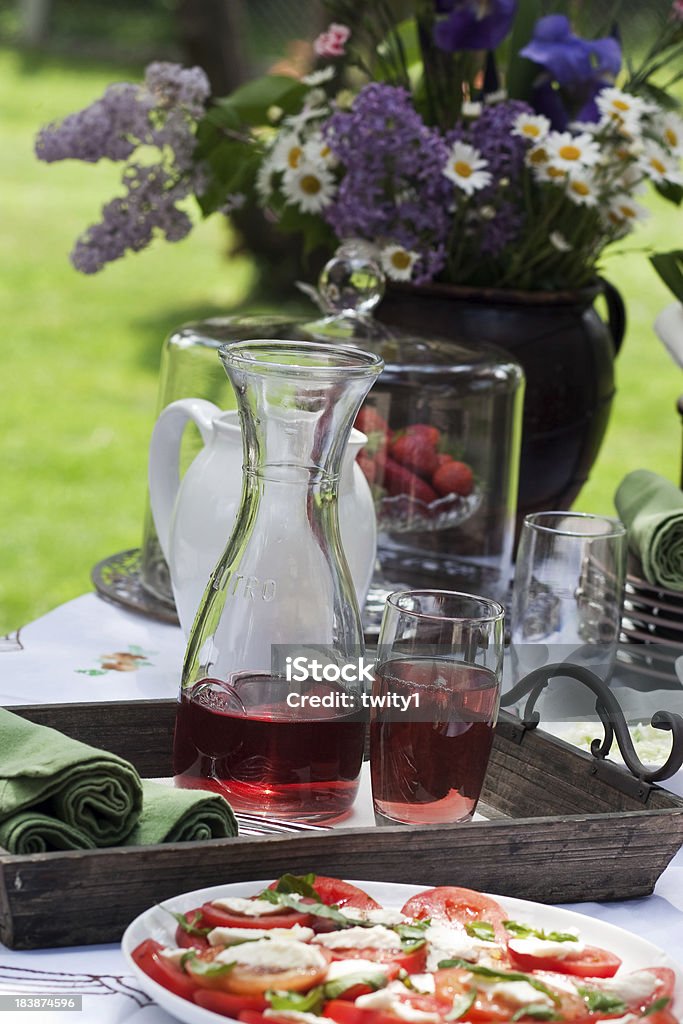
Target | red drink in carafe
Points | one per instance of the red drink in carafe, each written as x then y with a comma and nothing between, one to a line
245,741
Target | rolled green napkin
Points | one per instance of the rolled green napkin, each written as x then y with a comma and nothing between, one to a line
181,815
44,773
651,508
32,832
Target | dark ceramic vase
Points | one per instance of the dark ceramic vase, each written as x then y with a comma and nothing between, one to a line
567,352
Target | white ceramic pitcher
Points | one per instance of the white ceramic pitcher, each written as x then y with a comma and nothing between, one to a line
195,516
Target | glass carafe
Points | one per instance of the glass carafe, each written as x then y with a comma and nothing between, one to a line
282,589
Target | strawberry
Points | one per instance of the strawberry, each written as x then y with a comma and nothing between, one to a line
375,427
399,480
442,458
368,465
430,435
453,478
415,453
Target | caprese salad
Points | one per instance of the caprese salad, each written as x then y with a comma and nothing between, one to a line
315,950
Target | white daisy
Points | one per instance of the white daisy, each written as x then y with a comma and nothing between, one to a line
572,152
544,168
398,262
465,168
533,127
581,190
287,152
621,108
314,78
559,242
670,128
309,113
317,150
309,187
659,165
622,209
537,157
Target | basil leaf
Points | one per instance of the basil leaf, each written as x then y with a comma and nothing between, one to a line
301,884
411,931
189,926
304,1002
461,1005
597,1000
536,1010
659,1004
205,968
525,931
317,909
480,930
490,972
333,989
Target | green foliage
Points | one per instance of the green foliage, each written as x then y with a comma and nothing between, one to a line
669,266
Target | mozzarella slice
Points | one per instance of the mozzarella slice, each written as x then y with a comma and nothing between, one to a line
275,954
547,947
248,908
453,944
385,999
376,937
632,989
344,968
521,993
174,956
377,915
229,936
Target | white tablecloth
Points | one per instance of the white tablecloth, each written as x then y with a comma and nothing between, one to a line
90,650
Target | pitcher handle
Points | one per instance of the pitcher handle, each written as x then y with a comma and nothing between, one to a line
616,313
164,457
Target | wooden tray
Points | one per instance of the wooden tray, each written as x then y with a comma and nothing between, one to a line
563,828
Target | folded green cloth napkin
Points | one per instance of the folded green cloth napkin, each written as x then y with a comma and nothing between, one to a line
181,815
32,832
43,772
59,794
651,508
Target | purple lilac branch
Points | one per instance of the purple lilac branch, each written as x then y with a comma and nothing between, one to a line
161,114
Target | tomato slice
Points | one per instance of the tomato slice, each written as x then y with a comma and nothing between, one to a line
243,980
333,891
453,982
592,962
247,1016
215,917
450,903
343,894
147,957
229,1005
413,962
348,1013
185,939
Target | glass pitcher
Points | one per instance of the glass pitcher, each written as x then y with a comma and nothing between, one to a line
282,589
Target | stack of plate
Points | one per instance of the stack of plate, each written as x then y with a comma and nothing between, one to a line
651,631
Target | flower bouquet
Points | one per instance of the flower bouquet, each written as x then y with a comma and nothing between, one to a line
478,142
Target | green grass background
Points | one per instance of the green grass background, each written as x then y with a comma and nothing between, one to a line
80,355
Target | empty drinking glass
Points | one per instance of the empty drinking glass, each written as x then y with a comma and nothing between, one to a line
566,605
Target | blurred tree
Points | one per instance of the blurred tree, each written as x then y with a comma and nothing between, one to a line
212,34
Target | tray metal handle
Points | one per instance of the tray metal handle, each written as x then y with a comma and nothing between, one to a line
611,715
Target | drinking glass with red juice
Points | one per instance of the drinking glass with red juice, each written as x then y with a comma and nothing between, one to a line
436,696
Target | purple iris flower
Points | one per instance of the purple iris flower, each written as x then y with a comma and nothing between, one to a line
474,24
581,68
